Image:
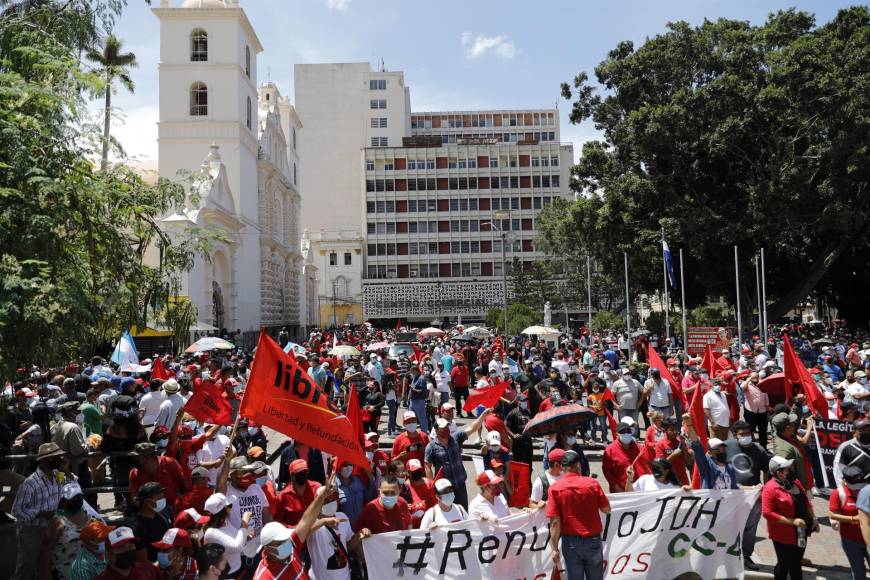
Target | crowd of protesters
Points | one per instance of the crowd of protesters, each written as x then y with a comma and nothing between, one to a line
195,500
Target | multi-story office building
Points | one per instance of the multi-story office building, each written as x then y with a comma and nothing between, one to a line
432,195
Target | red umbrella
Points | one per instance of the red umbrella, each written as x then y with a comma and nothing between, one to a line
558,419
774,386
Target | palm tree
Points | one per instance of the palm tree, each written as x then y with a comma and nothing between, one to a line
114,64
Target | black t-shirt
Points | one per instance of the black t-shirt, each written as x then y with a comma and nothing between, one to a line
857,455
149,530
748,462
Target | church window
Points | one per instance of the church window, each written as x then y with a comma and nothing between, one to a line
248,61
199,45
333,259
248,113
348,259
198,99
294,174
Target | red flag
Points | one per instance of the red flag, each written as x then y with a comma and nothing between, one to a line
208,405
439,475
709,361
282,396
612,423
354,414
699,421
656,362
487,396
608,395
418,354
521,490
158,371
797,373
398,325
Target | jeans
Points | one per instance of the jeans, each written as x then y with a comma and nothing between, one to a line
758,422
393,406
460,394
419,407
859,561
584,558
678,410
788,561
445,397
750,528
600,422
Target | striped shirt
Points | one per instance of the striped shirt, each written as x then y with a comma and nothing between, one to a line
87,566
39,493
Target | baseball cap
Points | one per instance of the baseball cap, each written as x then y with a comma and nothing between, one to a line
217,502
861,422
442,484
626,371
714,442
493,438
624,427
409,416
150,489
556,455
120,536
414,465
298,465
199,472
441,423
273,532
371,435
173,538
488,477
190,518
447,407
777,463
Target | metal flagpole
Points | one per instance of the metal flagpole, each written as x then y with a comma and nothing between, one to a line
665,296
739,319
589,294
764,296
627,308
683,302
758,294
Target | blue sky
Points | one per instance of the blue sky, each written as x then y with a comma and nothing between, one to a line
471,54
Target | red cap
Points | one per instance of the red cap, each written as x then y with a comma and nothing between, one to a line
496,463
173,538
298,465
371,444
556,455
671,362
190,518
185,431
488,477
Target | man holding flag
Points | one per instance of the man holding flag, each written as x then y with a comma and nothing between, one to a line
444,454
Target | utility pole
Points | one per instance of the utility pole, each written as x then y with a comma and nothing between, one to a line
739,318
334,316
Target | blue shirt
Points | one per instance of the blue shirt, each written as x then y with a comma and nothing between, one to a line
448,362
709,471
863,501
449,458
611,356
354,498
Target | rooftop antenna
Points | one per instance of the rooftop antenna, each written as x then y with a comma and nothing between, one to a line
268,74
382,65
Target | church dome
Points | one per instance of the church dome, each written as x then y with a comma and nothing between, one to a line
204,4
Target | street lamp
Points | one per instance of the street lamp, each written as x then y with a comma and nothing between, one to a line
502,215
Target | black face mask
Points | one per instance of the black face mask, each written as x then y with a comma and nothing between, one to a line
417,475
658,473
126,560
864,438
54,463
74,505
300,478
718,456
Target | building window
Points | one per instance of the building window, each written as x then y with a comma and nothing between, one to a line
333,259
379,122
294,137
378,84
348,259
378,104
493,161
199,45
248,112
370,165
198,99
248,61
379,141
388,166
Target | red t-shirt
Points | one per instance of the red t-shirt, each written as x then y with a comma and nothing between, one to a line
459,375
664,447
184,451
290,506
545,404
379,519
195,498
415,447
168,474
140,571
422,498
570,499
291,570
849,508
617,459
493,422
271,494
777,502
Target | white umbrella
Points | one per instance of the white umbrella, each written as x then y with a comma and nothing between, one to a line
477,331
344,350
210,343
431,331
540,330
297,348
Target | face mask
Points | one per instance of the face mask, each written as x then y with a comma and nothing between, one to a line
261,481
863,381
717,389
745,441
160,505
658,473
163,559
443,433
497,490
417,475
192,425
705,377
389,501
626,438
126,560
347,471
402,480
864,438
447,498
329,508
411,427
285,550
80,418
570,440
718,456
54,463
101,550
300,478
555,397
253,431
370,455
595,389
857,486
524,406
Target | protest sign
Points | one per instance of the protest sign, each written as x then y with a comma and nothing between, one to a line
208,405
519,475
700,336
831,434
653,535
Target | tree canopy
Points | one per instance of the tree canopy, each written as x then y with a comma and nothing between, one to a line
728,134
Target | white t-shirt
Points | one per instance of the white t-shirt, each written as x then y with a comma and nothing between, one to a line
168,409
856,388
538,487
435,514
150,403
325,556
561,366
659,395
495,365
251,500
717,404
232,539
647,482
480,506
442,381
211,451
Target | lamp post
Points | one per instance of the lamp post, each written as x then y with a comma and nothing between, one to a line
500,215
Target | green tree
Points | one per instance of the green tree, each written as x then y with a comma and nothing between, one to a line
521,283
604,320
113,65
520,317
754,134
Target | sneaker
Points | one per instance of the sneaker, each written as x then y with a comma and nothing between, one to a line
749,564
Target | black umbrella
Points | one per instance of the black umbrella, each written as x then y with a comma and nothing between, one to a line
558,419
823,342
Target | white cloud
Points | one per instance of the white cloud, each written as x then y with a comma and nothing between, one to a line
136,130
340,5
480,45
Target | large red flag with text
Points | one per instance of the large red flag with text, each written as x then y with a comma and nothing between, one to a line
282,396
521,490
208,405
797,373
486,396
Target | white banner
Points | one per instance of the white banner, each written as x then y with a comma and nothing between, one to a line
654,535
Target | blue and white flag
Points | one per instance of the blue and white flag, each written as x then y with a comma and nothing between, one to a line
125,354
669,264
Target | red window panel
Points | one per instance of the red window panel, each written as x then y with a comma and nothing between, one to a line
466,120
443,226
486,248
530,136
402,249
496,120
525,161
527,266
482,161
443,247
443,205
527,246
483,183
401,204
403,271
436,122
401,185
401,163
525,181
525,202
442,183
401,227
527,119
444,270
486,268
483,203
527,223
440,163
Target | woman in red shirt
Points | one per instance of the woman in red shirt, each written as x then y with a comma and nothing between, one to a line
844,510
789,514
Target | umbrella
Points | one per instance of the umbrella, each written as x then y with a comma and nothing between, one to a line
297,348
640,332
540,330
477,331
463,338
378,345
774,386
823,342
344,350
210,343
431,331
558,419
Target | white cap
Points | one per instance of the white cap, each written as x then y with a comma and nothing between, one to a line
409,416
628,421
442,484
414,465
493,438
217,502
626,371
714,442
776,463
71,490
120,535
273,532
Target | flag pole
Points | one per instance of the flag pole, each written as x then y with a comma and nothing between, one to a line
764,296
665,296
683,301
739,318
589,293
627,308
758,294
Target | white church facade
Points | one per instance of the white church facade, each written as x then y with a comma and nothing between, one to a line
235,145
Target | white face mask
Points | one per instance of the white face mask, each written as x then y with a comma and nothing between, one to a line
745,441
80,418
411,427
347,471
329,508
